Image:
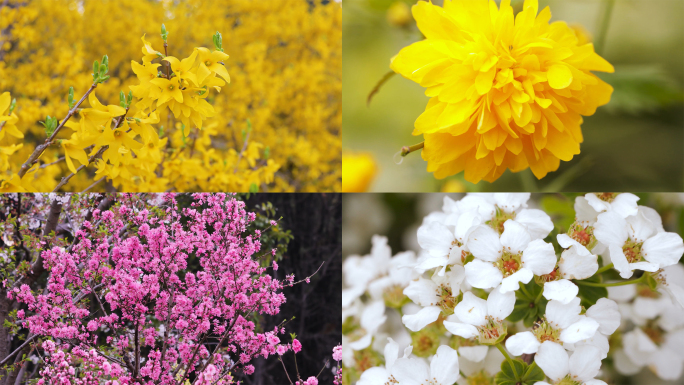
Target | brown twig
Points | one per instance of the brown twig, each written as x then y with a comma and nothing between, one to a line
33,158
93,185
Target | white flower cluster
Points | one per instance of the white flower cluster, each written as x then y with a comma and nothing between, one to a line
493,273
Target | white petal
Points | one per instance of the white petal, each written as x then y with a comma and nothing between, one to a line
493,361
596,203
483,275
553,360
674,341
584,212
436,238
575,263
666,364
374,376
620,263
539,257
606,313
611,229
598,341
537,222
649,308
522,343
562,291
362,342
444,366
455,278
424,317
565,241
473,353
500,305
410,371
645,266
423,292
625,204
585,362
515,237
639,227
510,202
580,330
431,262
467,222
510,283
652,216
391,352
563,315
471,310
676,293
373,316
461,329
622,293
484,243
665,249
624,365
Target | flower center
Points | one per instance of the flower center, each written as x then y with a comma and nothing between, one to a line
150,145
606,197
632,251
479,378
207,63
654,333
545,332
366,359
171,87
446,299
394,297
568,381
492,332
509,263
117,133
497,223
552,276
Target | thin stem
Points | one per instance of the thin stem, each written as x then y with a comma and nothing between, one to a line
524,289
622,283
93,185
50,164
285,369
409,149
508,358
541,292
33,158
604,268
603,28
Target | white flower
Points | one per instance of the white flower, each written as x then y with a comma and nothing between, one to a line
513,258
672,280
443,369
561,325
481,318
445,246
381,374
475,359
588,207
501,206
581,367
664,358
435,295
399,275
635,243
576,262
372,318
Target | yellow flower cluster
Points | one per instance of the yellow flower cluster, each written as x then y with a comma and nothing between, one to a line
178,132
507,92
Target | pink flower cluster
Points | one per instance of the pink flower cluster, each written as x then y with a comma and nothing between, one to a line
122,304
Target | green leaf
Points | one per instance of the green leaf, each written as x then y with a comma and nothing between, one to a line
640,89
562,211
526,309
267,152
651,282
533,373
253,188
590,294
12,105
510,375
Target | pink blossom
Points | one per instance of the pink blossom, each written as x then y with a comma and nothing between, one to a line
296,346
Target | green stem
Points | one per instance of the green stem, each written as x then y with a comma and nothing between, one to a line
541,292
604,268
622,283
603,28
508,358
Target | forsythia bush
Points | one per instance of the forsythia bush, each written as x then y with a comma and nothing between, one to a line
256,109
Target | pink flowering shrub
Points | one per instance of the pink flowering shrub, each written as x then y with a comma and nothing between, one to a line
122,307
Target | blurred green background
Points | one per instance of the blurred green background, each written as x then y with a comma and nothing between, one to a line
636,142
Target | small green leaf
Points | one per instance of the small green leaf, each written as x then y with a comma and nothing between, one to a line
267,152
651,282
510,375
164,33
122,99
533,373
12,105
253,188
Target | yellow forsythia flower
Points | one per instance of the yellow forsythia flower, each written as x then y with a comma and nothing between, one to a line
358,171
505,92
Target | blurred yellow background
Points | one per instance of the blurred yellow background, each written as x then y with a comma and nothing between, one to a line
636,142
